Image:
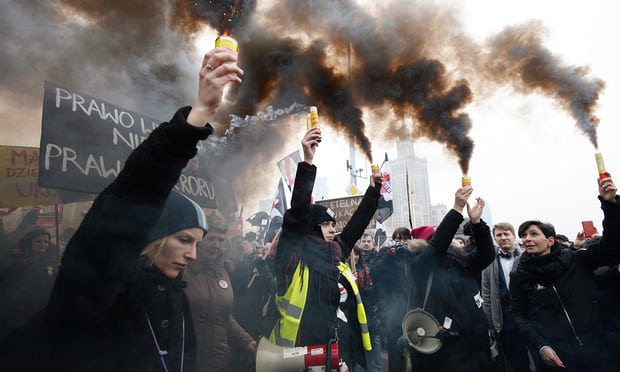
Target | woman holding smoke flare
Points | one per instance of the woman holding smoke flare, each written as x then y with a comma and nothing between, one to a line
118,303
310,272
554,296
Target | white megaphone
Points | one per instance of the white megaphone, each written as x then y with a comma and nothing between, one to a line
422,331
275,358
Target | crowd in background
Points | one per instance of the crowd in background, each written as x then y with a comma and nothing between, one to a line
389,284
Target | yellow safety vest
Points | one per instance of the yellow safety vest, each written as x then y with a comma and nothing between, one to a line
361,312
291,307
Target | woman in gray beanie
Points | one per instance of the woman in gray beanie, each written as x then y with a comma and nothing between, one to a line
118,303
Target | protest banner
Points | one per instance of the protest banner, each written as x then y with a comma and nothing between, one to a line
19,167
50,215
344,209
85,141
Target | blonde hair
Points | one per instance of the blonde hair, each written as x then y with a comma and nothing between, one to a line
152,249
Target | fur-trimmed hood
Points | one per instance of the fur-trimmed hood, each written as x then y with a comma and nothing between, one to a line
416,245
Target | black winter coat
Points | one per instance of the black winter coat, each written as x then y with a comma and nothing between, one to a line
96,319
542,287
455,294
394,289
299,242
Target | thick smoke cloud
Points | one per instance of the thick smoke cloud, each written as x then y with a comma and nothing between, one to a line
520,59
397,58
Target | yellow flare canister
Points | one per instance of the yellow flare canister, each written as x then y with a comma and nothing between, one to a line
313,119
466,181
600,165
376,172
226,41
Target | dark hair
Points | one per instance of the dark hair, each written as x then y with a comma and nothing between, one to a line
37,231
547,229
402,233
366,234
25,243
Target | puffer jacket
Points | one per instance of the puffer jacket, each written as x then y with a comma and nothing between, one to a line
211,299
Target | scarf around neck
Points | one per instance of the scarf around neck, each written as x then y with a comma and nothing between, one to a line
547,268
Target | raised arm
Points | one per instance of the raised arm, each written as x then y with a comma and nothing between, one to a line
362,216
610,204
449,225
109,240
607,250
485,250
297,217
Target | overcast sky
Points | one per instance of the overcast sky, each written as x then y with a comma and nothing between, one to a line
529,159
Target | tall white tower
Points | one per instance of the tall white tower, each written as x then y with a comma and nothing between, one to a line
410,189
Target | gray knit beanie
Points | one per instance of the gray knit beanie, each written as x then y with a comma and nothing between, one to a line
180,213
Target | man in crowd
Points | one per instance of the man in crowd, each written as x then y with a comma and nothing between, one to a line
369,298
496,305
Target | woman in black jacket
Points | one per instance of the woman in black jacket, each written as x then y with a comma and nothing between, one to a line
309,240
118,303
554,296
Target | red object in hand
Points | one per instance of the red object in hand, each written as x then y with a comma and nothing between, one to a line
588,228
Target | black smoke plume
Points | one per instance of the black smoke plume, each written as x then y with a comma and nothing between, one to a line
517,57
395,59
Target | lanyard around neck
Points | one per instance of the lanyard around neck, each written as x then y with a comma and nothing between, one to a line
161,352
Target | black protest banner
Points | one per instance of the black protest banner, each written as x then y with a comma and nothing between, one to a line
85,141
344,209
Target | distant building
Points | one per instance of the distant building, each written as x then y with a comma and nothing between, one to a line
438,211
410,188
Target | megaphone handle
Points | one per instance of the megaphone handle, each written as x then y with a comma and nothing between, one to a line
429,284
328,355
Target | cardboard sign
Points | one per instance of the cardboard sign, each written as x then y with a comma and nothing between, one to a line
344,209
19,171
85,141
50,215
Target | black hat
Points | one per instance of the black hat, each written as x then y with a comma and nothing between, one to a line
179,213
320,214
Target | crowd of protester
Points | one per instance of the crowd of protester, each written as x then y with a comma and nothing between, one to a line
148,282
